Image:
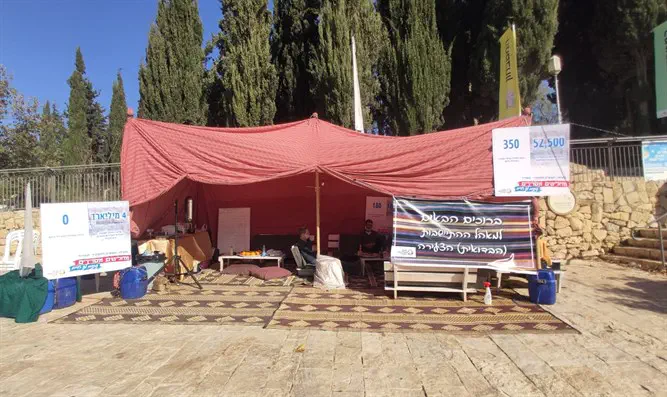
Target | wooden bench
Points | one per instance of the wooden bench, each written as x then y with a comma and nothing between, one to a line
404,276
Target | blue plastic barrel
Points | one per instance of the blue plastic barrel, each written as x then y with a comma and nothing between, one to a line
542,287
65,292
133,282
50,297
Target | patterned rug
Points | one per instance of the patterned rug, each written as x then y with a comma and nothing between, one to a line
217,304
373,310
209,276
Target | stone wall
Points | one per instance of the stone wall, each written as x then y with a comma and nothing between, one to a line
13,220
606,211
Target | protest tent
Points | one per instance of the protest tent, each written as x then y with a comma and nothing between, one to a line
308,172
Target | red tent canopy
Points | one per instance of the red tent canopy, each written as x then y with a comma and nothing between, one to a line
223,167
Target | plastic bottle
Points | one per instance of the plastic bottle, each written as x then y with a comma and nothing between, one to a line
231,250
488,300
263,250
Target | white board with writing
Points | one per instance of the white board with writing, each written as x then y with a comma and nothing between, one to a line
85,238
233,229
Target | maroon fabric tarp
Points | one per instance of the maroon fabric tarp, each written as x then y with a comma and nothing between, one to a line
271,169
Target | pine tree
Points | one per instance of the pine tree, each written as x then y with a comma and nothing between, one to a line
171,85
415,69
117,119
294,40
52,132
244,68
77,144
331,67
22,137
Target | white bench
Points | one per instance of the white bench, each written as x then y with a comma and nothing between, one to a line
429,278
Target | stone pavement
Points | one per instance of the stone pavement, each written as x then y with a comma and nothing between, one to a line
622,351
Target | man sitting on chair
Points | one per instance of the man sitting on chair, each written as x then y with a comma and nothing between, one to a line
371,241
305,245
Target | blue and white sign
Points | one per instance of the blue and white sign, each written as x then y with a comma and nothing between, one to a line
85,238
531,161
654,157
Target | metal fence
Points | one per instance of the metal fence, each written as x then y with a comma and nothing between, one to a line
97,182
617,158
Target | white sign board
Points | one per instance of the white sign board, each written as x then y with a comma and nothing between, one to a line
654,160
531,161
233,229
85,238
380,210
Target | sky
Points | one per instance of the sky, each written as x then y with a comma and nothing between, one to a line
38,40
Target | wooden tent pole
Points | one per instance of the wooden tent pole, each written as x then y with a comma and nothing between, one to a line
317,210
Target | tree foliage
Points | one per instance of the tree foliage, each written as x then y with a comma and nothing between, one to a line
247,76
171,78
52,132
415,72
117,119
331,66
294,42
77,144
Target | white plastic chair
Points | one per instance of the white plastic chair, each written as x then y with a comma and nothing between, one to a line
9,262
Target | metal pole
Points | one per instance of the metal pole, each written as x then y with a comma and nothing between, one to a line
317,210
662,247
560,115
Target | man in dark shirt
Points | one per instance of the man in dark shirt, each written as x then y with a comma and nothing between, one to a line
305,245
371,241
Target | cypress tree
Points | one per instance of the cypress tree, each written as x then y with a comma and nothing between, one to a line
331,66
245,70
77,144
415,71
117,118
294,40
536,26
171,79
51,135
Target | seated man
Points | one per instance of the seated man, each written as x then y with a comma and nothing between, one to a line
371,241
305,245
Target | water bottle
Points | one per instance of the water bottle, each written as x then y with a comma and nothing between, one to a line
231,250
487,295
263,250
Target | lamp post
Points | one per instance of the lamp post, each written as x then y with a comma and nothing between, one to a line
554,70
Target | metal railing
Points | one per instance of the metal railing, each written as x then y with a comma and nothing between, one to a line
96,182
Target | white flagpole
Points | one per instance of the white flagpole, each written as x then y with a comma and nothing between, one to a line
358,115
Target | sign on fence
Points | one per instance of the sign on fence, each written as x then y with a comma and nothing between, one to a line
654,159
531,161
85,238
463,233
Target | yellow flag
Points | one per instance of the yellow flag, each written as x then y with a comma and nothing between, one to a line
510,98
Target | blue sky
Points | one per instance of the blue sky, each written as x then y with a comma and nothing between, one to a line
38,39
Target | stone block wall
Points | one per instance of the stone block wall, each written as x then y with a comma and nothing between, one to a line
13,220
606,212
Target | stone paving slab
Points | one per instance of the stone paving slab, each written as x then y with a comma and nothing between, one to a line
621,351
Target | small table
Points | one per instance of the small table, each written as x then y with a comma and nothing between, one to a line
222,258
364,259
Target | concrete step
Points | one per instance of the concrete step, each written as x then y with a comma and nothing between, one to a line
651,233
645,243
638,252
644,264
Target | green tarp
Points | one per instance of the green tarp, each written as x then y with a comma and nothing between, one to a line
23,298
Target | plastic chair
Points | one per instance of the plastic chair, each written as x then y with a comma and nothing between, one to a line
9,262
302,268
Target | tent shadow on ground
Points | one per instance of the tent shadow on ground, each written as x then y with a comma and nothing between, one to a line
639,293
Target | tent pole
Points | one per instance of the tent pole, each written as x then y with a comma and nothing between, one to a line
317,210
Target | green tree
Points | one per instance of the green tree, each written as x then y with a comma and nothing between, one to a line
52,132
415,72
77,144
23,134
7,92
294,40
117,119
244,68
474,28
623,47
331,66
171,85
